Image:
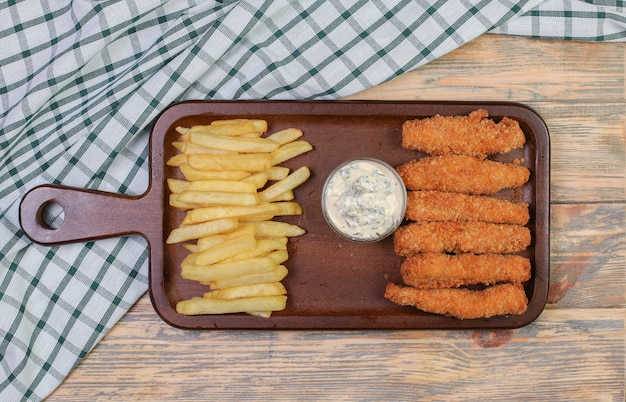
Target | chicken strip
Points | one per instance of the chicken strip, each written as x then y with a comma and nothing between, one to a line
474,135
462,174
442,206
460,237
435,271
504,299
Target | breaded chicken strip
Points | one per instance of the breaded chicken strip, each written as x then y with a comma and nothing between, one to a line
474,135
442,206
460,237
504,299
435,271
462,174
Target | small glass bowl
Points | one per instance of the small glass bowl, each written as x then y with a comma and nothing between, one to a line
354,225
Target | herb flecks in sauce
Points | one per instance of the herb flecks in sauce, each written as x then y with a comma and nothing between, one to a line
364,200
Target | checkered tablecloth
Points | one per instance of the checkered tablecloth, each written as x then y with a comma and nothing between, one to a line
82,81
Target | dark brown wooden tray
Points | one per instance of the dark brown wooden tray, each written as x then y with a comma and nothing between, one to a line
332,283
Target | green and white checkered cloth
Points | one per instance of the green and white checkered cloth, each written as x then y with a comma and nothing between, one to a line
82,81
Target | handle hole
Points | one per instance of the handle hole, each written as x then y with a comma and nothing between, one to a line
51,215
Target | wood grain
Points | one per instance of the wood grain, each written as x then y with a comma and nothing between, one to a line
494,67
574,351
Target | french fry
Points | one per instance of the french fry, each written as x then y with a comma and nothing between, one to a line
232,128
201,305
193,174
257,218
246,162
233,144
176,185
203,199
181,130
262,247
259,125
285,136
275,229
177,160
226,186
277,172
206,242
290,150
262,314
226,270
258,179
176,203
288,208
191,148
191,247
241,212
286,196
278,274
290,182
258,289
229,248
279,256
191,232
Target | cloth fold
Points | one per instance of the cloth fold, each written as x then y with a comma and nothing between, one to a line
82,81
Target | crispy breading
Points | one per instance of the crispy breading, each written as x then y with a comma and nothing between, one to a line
503,299
435,271
460,237
443,206
474,135
462,174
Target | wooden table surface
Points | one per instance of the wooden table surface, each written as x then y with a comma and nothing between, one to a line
574,351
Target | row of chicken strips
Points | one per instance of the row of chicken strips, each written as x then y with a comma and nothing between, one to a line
462,245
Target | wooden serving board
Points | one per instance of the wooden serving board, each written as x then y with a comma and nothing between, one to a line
332,283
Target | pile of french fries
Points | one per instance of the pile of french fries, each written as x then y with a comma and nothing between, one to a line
234,186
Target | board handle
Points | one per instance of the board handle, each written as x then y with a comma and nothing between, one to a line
88,214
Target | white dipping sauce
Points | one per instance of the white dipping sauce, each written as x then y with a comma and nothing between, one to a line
364,200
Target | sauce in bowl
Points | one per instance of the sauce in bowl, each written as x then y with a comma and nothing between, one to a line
364,200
